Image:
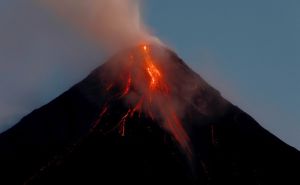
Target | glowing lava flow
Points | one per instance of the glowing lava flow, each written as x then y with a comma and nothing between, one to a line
156,80
155,97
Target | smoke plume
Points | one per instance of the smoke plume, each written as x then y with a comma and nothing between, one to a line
114,24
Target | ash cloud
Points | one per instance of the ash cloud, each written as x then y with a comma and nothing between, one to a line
113,24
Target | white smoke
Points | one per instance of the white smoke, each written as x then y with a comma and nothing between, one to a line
114,24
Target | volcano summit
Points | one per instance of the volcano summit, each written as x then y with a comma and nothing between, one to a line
144,117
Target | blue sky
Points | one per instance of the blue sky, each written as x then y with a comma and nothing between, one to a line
249,50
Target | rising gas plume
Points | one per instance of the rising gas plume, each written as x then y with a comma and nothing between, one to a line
114,24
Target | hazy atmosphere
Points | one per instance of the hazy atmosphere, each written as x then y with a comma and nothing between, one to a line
248,50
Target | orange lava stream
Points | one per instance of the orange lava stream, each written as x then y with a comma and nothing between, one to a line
157,86
156,78
128,86
123,122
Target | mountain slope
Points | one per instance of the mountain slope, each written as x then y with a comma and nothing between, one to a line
61,144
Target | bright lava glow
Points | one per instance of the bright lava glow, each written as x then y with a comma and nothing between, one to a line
157,87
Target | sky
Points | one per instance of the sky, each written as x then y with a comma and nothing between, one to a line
248,50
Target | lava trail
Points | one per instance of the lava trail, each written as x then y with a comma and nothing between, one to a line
143,79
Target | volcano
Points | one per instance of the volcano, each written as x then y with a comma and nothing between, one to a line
144,117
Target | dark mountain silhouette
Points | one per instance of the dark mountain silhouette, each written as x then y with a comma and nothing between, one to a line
59,143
